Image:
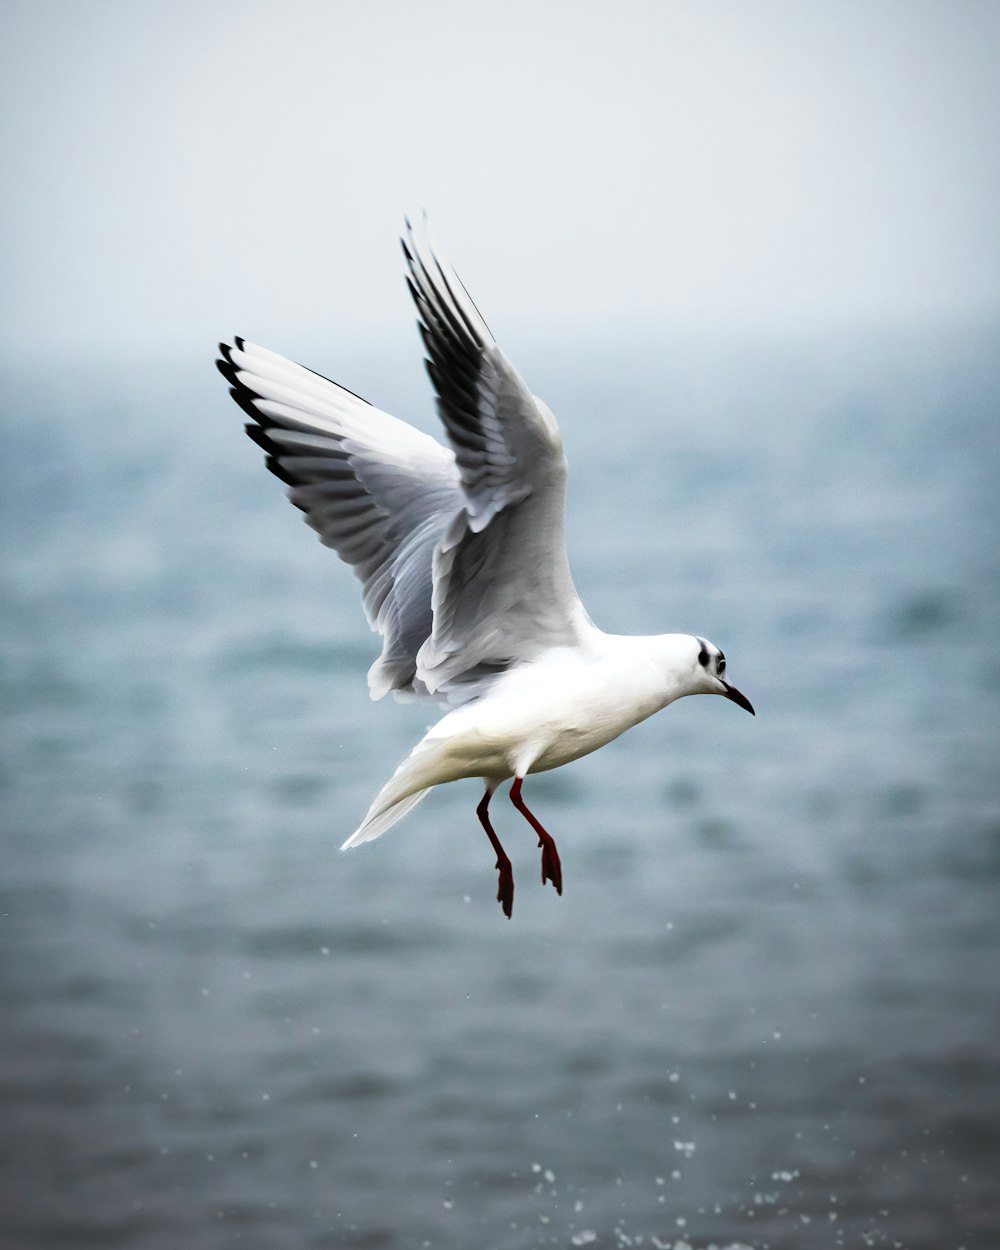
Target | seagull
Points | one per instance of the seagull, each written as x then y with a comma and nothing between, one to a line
461,555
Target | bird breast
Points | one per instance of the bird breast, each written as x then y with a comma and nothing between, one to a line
541,715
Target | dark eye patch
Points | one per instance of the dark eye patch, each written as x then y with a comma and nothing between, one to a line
703,653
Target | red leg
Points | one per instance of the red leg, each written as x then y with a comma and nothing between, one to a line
551,867
505,892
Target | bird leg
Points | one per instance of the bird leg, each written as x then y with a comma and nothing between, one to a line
551,867
505,892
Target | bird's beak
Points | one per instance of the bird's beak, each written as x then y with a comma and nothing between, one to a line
732,693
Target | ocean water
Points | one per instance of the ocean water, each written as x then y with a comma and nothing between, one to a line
765,1012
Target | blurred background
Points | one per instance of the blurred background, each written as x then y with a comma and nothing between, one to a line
748,253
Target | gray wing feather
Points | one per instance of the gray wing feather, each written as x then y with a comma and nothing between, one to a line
502,588
377,491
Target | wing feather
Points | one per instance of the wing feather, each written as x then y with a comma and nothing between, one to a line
376,490
502,588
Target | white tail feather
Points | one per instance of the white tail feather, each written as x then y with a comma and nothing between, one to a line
377,822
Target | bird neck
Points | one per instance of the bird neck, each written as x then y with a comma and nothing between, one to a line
658,664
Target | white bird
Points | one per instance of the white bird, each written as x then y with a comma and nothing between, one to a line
462,559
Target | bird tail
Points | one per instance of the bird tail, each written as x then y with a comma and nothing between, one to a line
400,794
377,822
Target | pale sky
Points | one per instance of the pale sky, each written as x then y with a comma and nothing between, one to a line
175,171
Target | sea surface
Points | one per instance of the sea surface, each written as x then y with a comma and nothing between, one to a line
766,1011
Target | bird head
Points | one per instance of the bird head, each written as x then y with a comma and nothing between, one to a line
708,674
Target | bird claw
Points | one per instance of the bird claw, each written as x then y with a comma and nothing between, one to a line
505,890
551,864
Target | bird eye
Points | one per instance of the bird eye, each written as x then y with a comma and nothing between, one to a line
721,666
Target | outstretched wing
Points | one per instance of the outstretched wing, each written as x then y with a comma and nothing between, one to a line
502,589
377,491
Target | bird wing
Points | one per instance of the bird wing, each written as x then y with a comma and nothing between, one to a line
461,554
502,588
378,491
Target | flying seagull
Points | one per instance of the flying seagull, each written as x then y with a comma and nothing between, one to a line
461,555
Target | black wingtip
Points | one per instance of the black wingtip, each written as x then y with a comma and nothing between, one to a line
272,462
228,370
245,400
259,436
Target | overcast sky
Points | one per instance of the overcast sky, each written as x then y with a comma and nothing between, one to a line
177,171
